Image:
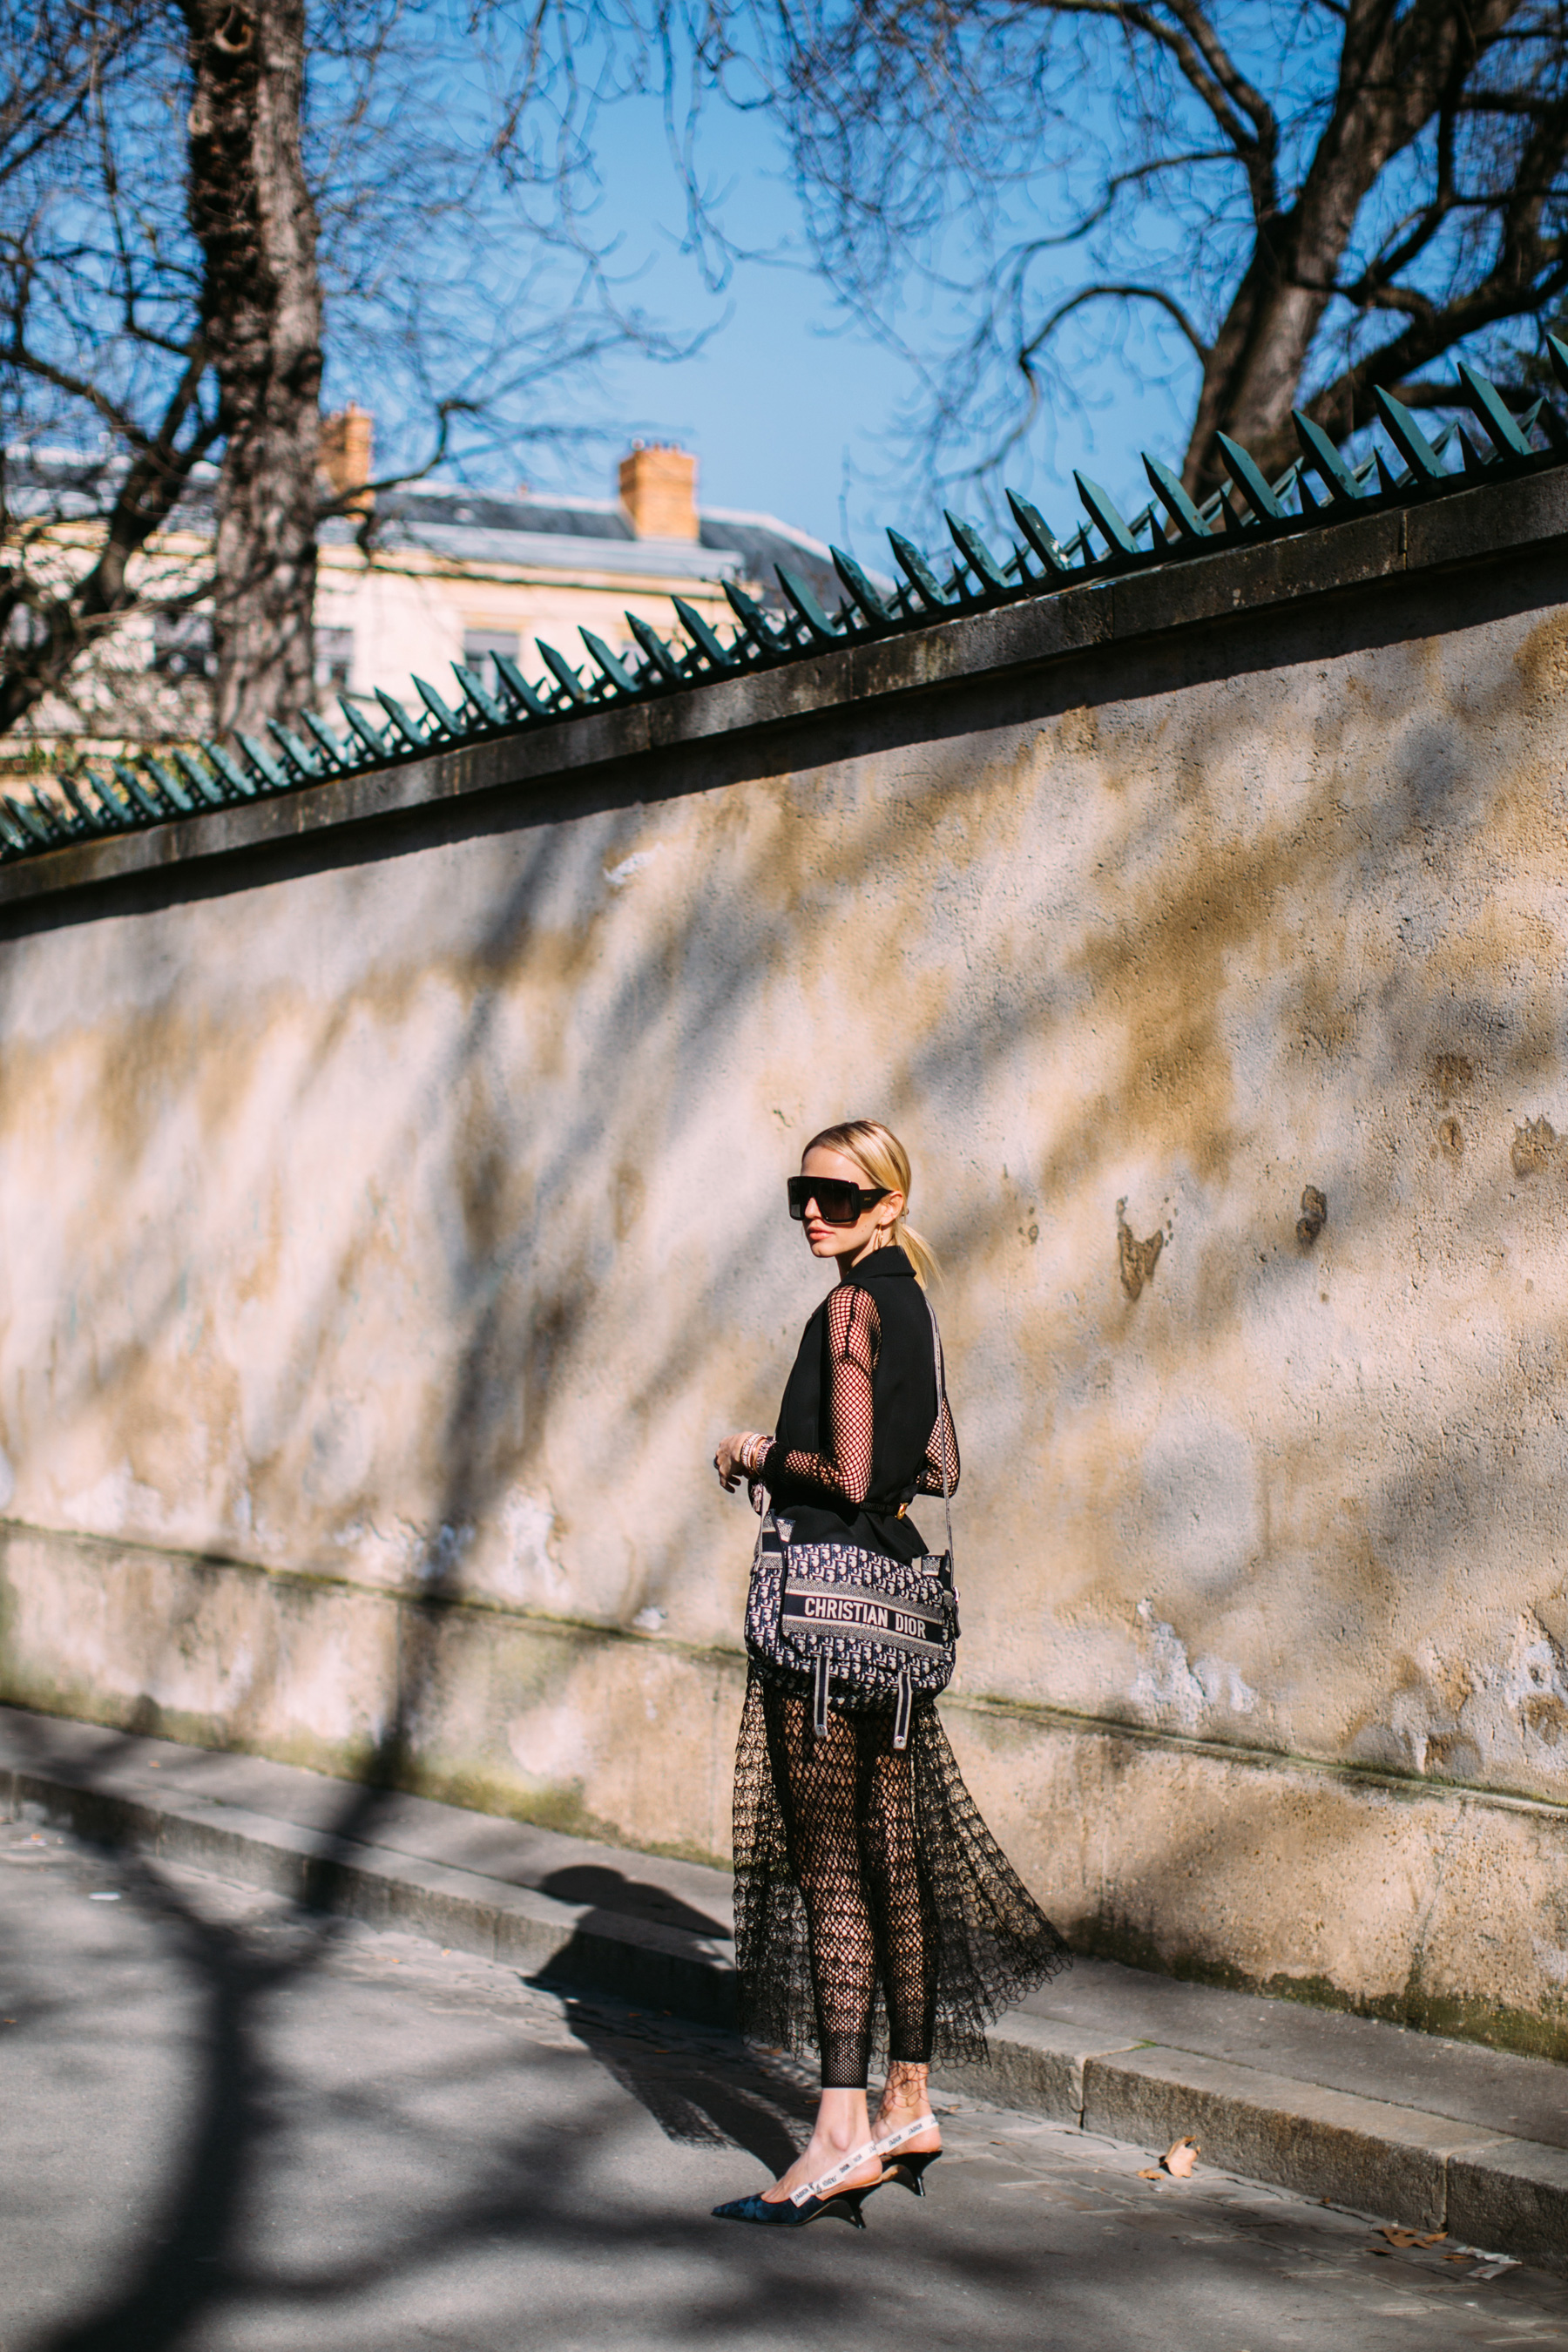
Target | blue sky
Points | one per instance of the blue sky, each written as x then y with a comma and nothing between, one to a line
789,406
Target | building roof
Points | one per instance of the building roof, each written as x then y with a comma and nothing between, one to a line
472,526
465,525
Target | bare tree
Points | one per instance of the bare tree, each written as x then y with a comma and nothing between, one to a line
1313,197
200,201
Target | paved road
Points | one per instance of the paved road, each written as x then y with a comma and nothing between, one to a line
229,2129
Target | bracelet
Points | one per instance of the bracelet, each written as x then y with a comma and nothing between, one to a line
755,1452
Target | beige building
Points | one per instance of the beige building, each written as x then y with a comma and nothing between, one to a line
445,573
416,579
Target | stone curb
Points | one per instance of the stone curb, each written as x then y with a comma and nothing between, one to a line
1425,2170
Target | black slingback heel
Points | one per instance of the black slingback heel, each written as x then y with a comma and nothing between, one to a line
910,2171
785,2214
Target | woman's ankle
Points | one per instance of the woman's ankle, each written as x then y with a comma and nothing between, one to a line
905,2094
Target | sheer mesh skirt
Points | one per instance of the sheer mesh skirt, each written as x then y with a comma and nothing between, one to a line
874,1910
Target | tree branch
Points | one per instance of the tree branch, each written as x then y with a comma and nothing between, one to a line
1158,294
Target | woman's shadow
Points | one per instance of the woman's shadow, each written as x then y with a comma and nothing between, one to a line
698,2081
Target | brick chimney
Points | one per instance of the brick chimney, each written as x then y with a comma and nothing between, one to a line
659,490
346,452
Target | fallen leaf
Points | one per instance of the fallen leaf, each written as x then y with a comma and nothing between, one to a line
1150,2172
1180,2157
1397,2235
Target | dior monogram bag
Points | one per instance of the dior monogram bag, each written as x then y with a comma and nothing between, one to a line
855,1620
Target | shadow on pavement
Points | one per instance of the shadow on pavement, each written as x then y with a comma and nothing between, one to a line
718,2099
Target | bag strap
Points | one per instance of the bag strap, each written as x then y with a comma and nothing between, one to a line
941,1428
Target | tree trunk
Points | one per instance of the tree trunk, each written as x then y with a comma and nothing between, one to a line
250,208
1397,70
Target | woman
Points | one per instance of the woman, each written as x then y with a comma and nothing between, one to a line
871,1900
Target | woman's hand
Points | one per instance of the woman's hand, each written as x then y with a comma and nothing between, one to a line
739,1456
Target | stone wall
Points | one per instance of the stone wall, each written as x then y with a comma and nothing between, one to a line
393,1218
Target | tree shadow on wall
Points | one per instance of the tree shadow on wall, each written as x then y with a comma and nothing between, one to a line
521,1330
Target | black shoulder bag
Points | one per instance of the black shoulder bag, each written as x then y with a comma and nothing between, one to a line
855,1620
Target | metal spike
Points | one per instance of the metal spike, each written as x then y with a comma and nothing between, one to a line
17,843
703,637
1248,478
35,822
375,742
1476,461
229,772
262,761
151,808
1189,523
767,640
1551,423
913,563
799,593
560,668
977,555
657,651
1558,354
198,779
1321,453
620,678
1390,484
169,784
402,723
446,720
479,695
336,754
123,812
1108,516
1408,436
1039,535
1150,519
96,819
872,608
517,687
299,755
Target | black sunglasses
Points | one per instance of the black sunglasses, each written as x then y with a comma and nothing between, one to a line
838,1202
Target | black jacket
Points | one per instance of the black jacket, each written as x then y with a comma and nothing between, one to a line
808,1485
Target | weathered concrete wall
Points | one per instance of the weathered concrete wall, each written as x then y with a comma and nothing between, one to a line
390,1231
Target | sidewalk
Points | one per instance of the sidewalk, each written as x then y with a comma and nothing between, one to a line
1434,2134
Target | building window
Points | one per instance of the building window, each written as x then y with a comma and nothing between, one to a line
182,645
334,658
479,643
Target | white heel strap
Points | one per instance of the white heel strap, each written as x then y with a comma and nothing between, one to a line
905,2131
859,2156
841,2172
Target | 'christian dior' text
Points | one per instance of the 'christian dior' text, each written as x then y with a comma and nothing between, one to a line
865,1614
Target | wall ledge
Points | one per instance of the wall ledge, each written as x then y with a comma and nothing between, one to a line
729,1658
1484,530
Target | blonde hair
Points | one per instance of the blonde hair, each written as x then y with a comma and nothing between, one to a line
881,1157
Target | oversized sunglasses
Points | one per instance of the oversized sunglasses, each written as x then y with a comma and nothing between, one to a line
838,1202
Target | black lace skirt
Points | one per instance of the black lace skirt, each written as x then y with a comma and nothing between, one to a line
874,1910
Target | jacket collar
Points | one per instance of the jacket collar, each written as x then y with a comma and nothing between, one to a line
882,1264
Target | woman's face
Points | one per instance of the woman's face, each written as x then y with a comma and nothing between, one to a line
845,1241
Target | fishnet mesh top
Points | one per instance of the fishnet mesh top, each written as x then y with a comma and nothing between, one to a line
854,1341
